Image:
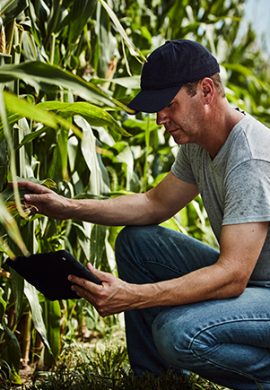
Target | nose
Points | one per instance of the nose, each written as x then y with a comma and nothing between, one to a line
161,117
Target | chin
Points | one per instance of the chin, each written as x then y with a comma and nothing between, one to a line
181,141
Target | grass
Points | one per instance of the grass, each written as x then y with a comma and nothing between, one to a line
84,366
108,369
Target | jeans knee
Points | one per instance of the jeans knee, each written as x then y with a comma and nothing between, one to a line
165,336
173,335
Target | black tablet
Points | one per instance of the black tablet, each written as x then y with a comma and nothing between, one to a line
48,272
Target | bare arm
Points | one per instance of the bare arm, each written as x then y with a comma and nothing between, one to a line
240,247
154,206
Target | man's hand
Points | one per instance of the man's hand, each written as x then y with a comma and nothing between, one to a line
111,297
44,200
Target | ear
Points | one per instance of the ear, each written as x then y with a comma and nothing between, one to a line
207,90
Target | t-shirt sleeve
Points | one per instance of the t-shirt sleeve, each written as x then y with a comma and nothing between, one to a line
181,168
247,193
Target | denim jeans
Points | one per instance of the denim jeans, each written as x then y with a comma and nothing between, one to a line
226,341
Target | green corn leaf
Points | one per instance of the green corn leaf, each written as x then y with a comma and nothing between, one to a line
17,283
10,146
96,116
80,12
11,227
12,8
33,112
35,73
62,144
97,239
32,136
32,296
239,68
12,118
132,82
88,147
12,353
53,324
28,110
3,305
132,49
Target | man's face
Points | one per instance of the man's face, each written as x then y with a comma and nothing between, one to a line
182,118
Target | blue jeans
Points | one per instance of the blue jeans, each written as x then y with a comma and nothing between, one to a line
226,341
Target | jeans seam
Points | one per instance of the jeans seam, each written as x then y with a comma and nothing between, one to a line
219,365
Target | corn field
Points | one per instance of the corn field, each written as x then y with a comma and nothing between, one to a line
67,70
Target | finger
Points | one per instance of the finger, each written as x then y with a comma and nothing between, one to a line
33,187
100,274
32,198
39,200
85,284
81,292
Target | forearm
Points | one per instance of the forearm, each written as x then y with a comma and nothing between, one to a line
200,285
124,210
151,207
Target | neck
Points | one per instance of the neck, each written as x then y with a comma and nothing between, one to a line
221,121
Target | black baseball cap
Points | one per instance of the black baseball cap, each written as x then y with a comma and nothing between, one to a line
167,69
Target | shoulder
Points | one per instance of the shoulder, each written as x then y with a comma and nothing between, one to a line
248,141
255,137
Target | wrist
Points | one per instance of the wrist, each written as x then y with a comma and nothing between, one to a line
69,209
146,295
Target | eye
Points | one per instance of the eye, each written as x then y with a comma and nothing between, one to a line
170,104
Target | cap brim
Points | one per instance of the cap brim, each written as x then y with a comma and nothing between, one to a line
153,100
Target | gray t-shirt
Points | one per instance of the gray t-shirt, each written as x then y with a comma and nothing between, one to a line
235,185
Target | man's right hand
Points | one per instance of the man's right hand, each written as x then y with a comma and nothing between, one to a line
45,200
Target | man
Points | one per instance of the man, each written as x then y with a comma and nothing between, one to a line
189,306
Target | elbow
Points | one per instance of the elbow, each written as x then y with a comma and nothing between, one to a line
233,286
233,280
232,290
155,217
238,285
238,289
